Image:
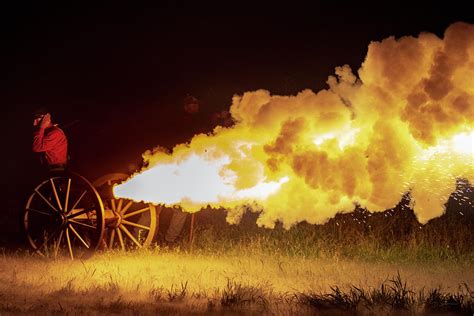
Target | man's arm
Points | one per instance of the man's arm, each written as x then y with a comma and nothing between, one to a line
43,142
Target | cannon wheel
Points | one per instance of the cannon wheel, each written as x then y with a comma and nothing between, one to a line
128,224
64,214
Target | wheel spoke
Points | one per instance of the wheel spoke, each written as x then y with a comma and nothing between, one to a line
59,243
66,200
87,210
136,212
46,200
112,236
69,243
126,207
82,224
125,230
78,200
135,224
119,206
56,194
39,212
114,208
119,233
78,236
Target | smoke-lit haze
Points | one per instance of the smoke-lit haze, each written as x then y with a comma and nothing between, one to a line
404,122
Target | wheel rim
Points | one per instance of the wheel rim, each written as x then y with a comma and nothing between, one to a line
129,224
64,215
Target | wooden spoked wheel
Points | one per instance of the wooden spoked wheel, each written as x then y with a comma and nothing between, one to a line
128,224
64,215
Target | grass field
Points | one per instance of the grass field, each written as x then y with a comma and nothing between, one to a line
357,263
176,281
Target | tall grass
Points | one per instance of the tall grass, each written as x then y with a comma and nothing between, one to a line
391,295
394,235
116,283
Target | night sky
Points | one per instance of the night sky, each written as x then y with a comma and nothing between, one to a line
117,78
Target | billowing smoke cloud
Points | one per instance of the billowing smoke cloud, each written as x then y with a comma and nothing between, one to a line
404,123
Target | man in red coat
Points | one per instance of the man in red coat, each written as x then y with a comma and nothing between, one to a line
49,140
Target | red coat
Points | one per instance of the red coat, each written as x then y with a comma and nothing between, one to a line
53,143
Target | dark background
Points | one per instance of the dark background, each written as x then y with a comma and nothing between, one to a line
117,78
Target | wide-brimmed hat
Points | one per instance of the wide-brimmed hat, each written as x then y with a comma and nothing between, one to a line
40,111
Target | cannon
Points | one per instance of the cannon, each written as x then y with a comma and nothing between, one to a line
68,215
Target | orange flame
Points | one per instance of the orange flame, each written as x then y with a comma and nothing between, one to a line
404,124
194,182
